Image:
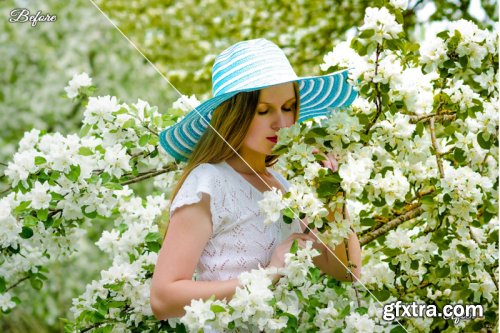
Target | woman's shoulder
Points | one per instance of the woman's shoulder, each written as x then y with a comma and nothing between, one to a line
208,169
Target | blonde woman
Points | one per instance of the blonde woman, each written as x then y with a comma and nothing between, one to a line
216,228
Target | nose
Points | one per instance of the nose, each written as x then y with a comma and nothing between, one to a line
279,121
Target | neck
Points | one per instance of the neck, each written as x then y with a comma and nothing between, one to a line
253,163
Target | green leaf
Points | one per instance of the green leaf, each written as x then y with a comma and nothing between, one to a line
382,294
361,310
85,130
129,123
483,140
153,246
113,186
217,308
367,33
345,311
459,155
443,272
2,285
37,284
74,173
26,233
153,237
30,221
42,214
464,61
391,252
398,329
443,35
144,140
294,247
40,160
85,151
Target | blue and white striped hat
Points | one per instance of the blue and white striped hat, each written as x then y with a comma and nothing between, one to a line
254,65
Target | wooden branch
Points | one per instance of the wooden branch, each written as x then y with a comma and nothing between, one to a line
148,175
17,283
426,118
390,225
436,148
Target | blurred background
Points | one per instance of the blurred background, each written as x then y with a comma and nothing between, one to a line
181,38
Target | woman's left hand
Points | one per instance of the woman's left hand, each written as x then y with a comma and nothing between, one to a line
330,161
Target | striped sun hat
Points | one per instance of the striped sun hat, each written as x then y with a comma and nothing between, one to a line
254,65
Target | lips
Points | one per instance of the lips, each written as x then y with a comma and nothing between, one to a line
273,139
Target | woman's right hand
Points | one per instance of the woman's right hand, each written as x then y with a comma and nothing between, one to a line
278,256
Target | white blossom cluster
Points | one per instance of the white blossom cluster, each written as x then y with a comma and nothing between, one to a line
128,279
259,305
382,22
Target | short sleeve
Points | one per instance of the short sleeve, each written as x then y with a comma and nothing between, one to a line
202,179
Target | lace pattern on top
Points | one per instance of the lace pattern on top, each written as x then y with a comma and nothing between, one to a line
240,240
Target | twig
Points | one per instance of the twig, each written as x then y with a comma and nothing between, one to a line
396,213
18,282
390,225
3,164
148,175
6,190
426,118
92,327
436,148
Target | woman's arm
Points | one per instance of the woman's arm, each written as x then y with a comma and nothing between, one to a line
328,262
172,287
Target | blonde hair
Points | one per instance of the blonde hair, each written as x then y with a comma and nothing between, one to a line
231,119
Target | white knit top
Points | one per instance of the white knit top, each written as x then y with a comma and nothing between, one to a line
240,241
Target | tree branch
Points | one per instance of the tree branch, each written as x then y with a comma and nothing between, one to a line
17,283
390,225
436,148
427,117
148,175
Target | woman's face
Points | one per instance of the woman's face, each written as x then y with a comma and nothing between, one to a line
275,110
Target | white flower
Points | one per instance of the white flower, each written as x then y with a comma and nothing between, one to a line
117,160
11,227
198,313
186,104
29,140
415,89
39,196
382,23
393,185
399,4
355,173
78,81
100,110
6,302
356,323
398,239
271,205
345,57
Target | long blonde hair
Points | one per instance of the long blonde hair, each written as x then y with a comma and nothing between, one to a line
231,119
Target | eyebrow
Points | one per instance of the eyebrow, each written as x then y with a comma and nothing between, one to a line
293,98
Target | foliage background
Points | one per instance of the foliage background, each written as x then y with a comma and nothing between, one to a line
182,39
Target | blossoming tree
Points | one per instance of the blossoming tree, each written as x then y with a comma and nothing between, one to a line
418,174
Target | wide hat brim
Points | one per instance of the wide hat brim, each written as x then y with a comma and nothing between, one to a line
319,96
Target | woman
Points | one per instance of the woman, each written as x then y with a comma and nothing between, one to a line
215,225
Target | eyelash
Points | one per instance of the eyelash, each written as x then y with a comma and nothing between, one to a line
286,110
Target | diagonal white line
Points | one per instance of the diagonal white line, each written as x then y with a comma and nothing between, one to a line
256,173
